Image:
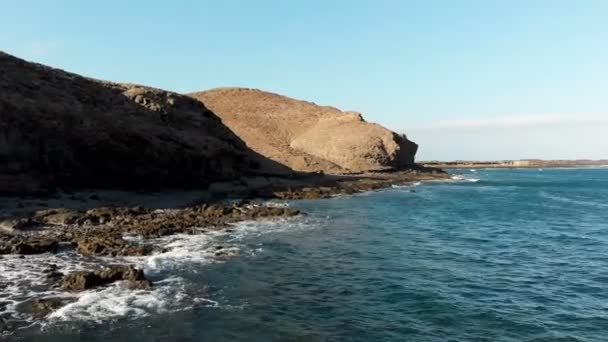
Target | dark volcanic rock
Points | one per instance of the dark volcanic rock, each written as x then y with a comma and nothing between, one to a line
44,306
108,244
12,225
27,245
59,216
59,129
139,221
52,273
100,231
83,280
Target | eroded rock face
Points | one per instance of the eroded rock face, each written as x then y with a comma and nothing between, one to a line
84,280
308,137
59,129
356,145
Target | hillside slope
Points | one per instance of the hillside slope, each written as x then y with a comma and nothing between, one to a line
308,137
59,129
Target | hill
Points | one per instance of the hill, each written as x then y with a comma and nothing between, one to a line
59,129
306,136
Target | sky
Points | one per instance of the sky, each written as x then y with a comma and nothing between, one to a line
464,79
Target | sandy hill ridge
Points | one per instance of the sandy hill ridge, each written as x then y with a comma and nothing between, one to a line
306,136
59,129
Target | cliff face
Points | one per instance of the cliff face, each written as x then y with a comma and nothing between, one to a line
61,129
308,137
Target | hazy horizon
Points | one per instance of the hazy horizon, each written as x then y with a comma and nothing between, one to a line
513,138
463,79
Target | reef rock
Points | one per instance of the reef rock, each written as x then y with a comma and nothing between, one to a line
84,280
26,245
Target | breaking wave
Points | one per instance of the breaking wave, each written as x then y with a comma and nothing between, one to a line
25,278
464,178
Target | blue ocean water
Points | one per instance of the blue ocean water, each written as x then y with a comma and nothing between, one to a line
498,255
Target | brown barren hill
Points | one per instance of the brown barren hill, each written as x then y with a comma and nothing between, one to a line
306,136
59,129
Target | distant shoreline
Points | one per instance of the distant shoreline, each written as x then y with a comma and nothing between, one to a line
516,164
451,167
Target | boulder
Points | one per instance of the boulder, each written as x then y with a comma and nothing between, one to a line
15,225
58,217
27,245
108,244
44,306
84,280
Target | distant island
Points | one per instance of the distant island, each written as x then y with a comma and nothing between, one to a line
507,164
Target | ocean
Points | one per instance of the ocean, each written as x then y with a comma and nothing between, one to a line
490,255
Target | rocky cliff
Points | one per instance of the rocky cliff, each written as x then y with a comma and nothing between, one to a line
59,129
308,137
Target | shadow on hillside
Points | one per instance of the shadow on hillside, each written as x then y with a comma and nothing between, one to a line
63,131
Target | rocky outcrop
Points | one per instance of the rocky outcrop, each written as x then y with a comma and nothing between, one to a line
59,129
25,245
44,306
101,231
84,280
308,137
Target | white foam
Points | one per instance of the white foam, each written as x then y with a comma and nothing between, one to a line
257,228
277,204
406,186
24,278
116,302
180,250
464,178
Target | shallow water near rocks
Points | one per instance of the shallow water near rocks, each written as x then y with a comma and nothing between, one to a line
494,255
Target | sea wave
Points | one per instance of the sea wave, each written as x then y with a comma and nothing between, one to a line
115,301
406,186
464,178
564,199
25,278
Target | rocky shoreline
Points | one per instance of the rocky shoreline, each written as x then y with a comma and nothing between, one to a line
98,172
104,231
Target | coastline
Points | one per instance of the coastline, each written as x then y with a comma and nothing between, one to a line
545,165
110,227
296,186
467,167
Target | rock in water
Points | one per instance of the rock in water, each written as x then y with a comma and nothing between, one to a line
84,280
308,137
108,244
26,245
59,129
43,306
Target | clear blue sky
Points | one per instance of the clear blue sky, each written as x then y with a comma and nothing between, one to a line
415,66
